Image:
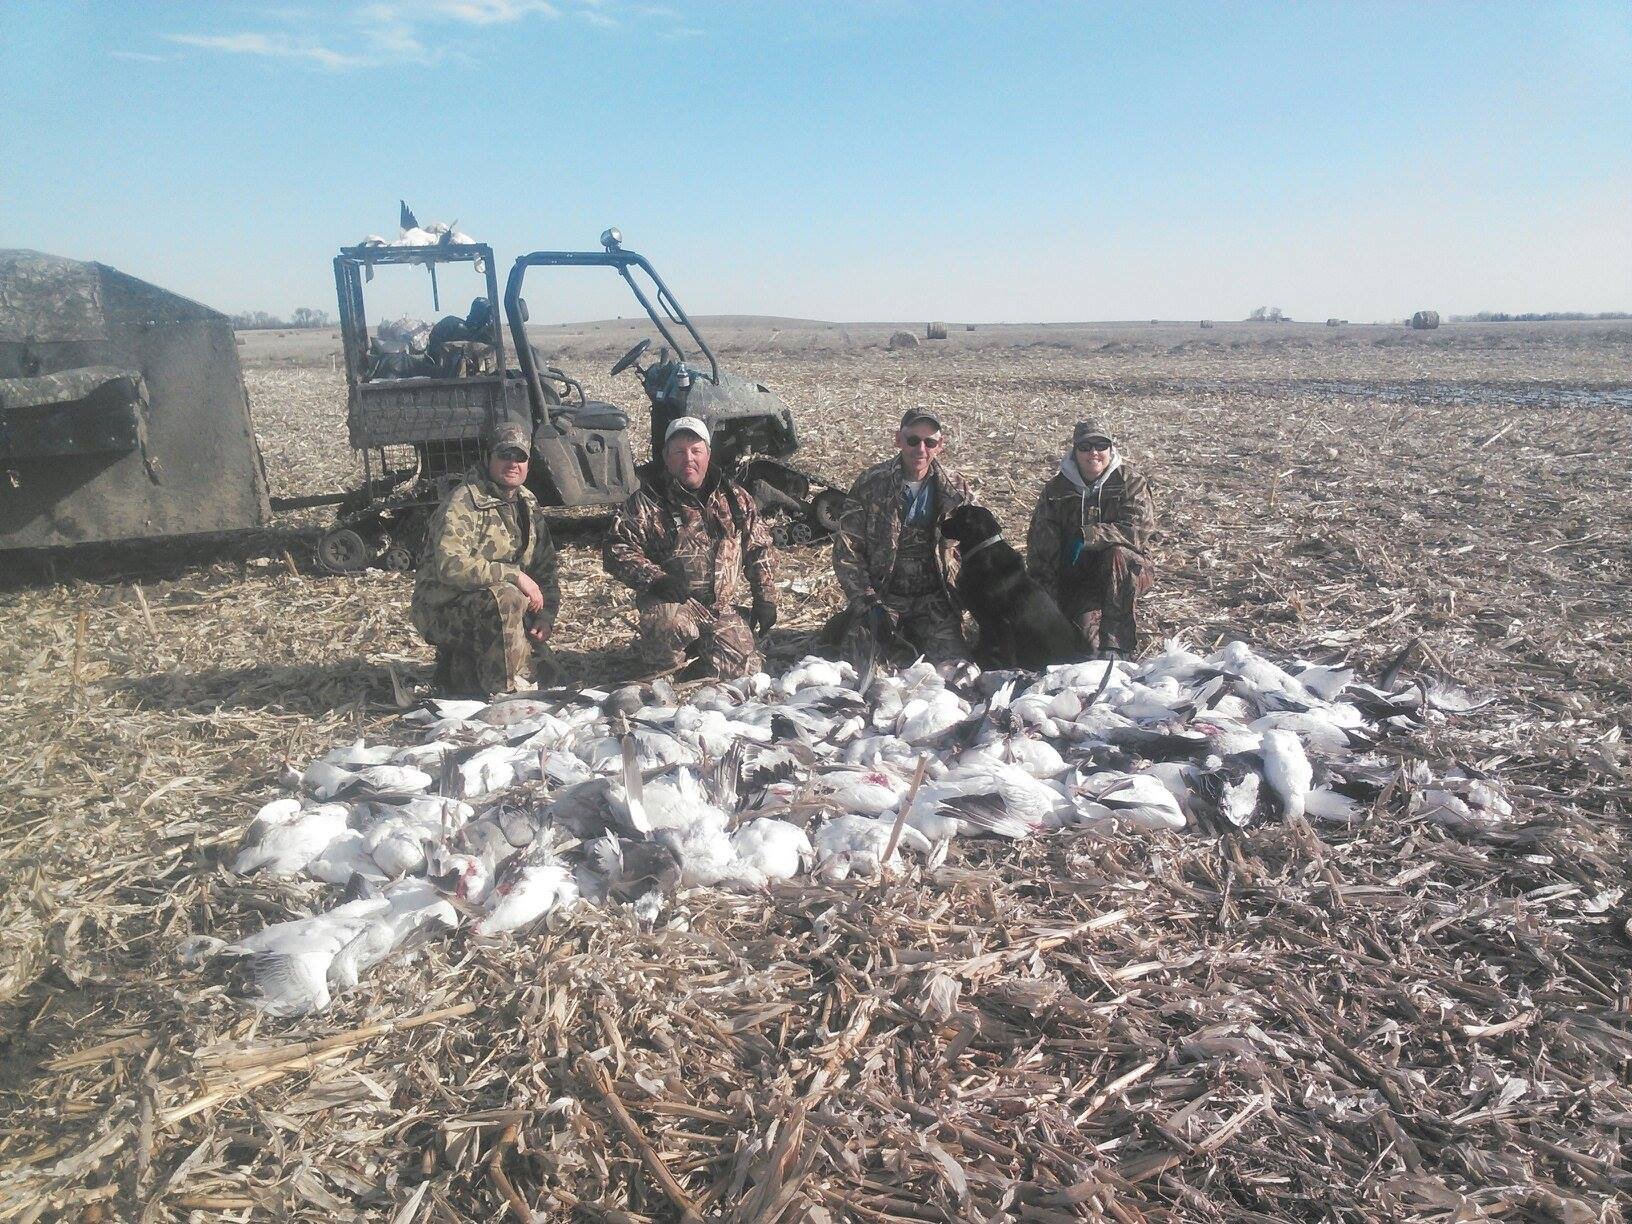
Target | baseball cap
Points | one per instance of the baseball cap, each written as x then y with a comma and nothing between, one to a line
916,416
510,435
688,424
1091,431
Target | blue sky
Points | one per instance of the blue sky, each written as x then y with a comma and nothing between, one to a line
847,160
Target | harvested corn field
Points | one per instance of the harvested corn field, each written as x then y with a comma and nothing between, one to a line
1391,1019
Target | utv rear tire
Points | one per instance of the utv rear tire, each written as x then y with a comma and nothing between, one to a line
826,509
342,551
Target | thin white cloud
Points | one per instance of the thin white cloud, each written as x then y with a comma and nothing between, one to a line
391,37
385,32
251,43
490,12
140,57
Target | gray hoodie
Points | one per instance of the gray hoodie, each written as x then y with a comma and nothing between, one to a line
1069,469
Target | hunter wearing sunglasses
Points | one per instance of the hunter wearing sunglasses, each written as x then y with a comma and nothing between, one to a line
894,566
1089,541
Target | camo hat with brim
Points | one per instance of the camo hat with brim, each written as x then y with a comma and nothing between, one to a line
509,435
1091,431
918,416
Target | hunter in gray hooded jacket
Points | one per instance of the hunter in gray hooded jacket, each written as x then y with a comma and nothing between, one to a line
1089,542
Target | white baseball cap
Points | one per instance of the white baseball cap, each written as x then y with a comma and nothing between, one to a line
693,425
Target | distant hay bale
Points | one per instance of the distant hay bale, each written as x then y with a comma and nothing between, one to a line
1425,320
935,331
903,340
1207,325
968,327
1333,322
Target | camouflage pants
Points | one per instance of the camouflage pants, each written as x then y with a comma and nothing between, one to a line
926,625
482,644
718,639
1101,598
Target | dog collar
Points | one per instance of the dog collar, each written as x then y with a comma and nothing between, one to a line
966,553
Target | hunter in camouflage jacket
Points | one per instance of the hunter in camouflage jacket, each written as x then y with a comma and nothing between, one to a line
1089,547
714,538
867,548
864,547
465,602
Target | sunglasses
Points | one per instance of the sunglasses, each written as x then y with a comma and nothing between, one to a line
512,454
1093,446
926,443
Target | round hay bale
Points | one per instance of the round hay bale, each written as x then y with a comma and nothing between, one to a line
968,327
1333,322
935,331
1206,325
903,340
1425,320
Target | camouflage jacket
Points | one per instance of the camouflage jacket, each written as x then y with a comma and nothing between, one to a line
864,547
1119,513
473,542
715,534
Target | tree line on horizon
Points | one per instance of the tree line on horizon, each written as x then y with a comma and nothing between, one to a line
260,320
1544,316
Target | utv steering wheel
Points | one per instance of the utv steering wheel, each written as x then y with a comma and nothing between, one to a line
629,358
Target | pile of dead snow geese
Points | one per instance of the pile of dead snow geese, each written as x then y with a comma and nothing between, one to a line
507,812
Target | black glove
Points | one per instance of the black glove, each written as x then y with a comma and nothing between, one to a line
763,617
671,588
882,622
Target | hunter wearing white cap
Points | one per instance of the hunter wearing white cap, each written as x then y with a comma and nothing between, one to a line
692,545
691,425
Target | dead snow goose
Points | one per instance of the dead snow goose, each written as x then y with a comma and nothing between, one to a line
1138,799
776,849
1286,770
995,798
284,837
530,885
854,845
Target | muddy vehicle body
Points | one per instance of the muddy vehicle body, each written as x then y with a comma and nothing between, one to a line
753,433
416,415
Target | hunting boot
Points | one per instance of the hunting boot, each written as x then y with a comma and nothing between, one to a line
1118,633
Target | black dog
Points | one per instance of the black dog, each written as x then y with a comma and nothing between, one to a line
1020,625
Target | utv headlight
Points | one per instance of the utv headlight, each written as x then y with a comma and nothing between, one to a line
612,238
